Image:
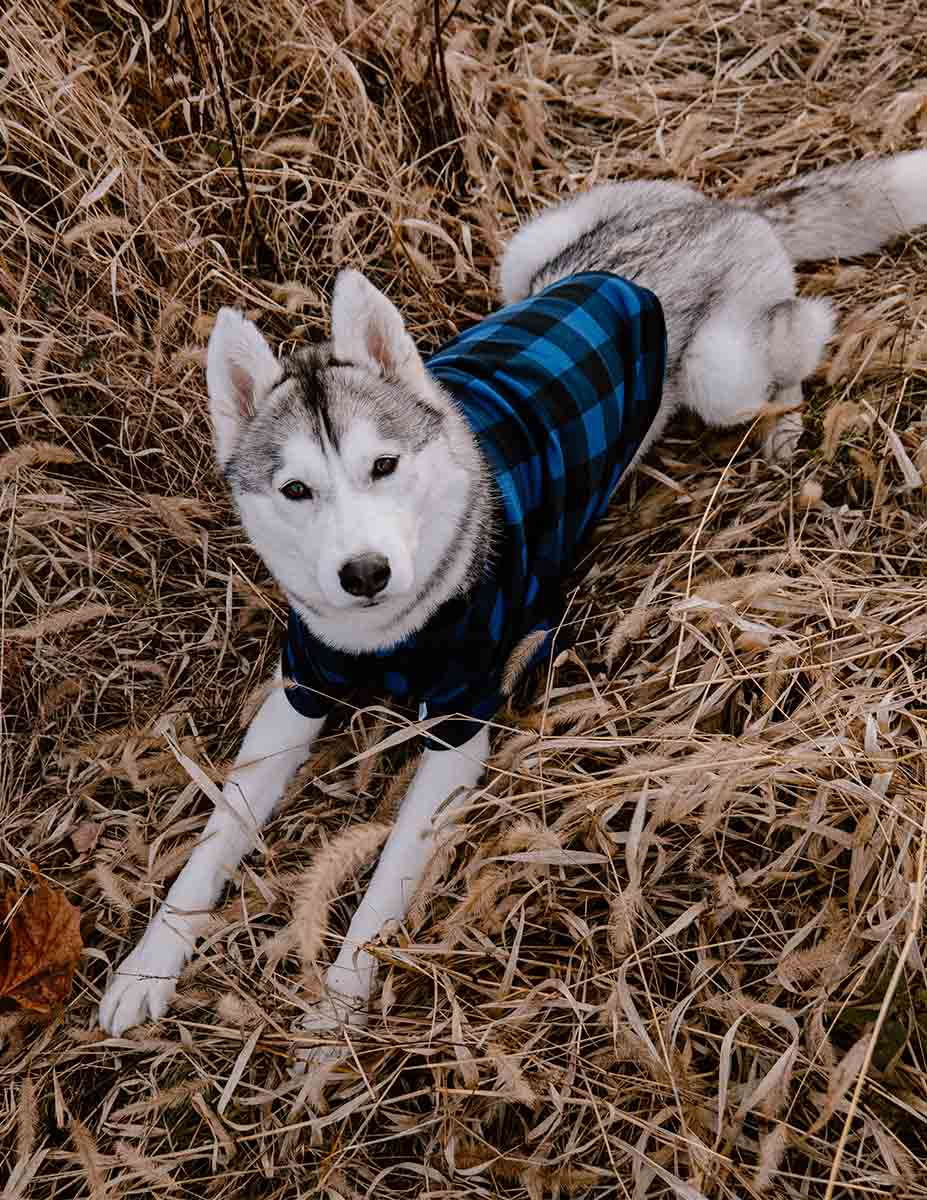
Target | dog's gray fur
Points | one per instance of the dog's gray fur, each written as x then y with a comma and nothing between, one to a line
738,335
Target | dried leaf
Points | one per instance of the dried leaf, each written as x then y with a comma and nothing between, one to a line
912,476
85,836
40,945
98,192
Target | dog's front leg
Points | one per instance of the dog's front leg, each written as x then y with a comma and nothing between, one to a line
349,981
275,746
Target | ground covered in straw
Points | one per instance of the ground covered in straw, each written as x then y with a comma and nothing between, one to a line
724,995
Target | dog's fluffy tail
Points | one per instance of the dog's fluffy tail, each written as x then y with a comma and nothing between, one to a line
852,209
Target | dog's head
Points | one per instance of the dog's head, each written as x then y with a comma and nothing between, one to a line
342,461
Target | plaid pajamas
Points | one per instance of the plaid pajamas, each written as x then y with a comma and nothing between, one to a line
560,390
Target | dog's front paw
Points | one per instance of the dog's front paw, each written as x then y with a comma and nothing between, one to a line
144,984
322,1030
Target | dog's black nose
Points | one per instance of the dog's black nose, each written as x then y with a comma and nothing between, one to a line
365,576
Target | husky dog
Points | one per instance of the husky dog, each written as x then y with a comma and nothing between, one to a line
367,494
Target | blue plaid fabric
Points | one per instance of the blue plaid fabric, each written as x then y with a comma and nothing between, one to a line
560,390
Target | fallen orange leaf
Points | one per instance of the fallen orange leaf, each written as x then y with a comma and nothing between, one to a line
40,945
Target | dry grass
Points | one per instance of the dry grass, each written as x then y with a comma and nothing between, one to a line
723,993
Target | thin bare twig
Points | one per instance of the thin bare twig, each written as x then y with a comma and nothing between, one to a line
226,105
451,126
262,242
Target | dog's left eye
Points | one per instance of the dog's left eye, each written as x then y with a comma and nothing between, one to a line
296,490
383,467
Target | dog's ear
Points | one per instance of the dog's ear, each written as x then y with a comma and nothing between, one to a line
240,369
368,330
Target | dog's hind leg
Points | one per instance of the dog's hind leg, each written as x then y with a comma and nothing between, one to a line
798,331
737,367
442,776
275,746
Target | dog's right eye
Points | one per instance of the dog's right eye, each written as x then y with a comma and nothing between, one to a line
384,466
296,490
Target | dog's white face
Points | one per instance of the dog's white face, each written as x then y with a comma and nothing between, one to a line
341,465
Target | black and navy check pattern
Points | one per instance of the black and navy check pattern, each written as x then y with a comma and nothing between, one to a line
560,390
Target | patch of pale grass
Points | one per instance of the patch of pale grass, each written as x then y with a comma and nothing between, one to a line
675,946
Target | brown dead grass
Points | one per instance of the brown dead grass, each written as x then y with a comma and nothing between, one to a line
676,947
